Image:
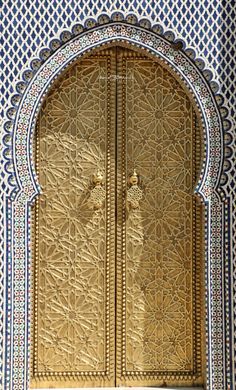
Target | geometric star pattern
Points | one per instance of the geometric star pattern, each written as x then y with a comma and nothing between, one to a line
71,261
207,26
161,245
70,310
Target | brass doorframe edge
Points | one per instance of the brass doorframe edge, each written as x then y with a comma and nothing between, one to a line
34,271
37,375
164,374
77,374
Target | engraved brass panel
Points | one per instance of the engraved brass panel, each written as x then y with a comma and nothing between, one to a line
74,272
107,260
157,282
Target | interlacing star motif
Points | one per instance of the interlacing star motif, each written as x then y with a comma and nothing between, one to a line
159,136
71,282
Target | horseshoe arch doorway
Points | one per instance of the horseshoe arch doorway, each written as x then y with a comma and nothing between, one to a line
118,259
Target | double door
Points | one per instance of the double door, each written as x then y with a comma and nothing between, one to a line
117,240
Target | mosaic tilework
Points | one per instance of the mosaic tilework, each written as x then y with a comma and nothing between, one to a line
27,109
205,25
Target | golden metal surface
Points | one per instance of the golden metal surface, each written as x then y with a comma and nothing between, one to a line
74,273
98,193
134,192
109,113
158,299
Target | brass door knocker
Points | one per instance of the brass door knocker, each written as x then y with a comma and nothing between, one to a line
134,193
98,193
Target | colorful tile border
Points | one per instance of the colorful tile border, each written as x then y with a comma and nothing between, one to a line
22,185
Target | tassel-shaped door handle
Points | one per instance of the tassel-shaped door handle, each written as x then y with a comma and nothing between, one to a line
134,193
98,193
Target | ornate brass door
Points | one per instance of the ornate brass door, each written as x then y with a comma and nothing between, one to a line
117,263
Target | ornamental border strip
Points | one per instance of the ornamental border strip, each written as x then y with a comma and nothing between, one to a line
78,30
23,187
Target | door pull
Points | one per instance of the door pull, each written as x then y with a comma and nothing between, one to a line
134,193
98,193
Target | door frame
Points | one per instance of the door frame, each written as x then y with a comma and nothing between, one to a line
22,186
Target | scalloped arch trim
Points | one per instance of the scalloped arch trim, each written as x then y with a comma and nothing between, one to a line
26,102
22,182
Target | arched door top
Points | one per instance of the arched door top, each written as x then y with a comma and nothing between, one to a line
38,80
20,182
